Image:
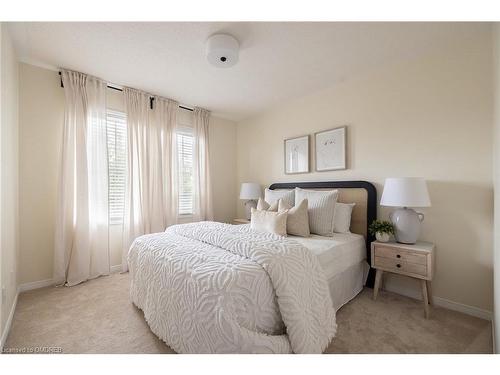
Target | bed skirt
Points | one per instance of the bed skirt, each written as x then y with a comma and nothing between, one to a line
348,284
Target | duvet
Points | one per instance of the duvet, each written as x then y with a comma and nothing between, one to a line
218,288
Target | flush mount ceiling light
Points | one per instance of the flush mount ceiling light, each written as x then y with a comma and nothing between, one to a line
222,50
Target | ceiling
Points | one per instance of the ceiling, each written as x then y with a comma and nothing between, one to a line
278,61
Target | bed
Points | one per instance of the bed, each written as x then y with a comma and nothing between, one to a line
219,288
356,274
343,260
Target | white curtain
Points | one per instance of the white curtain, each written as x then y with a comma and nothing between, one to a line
151,186
202,199
81,242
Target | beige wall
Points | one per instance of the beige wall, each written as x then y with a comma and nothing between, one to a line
9,223
223,168
41,121
430,118
41,116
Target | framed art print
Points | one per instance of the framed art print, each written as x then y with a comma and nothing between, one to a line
330,149
297,155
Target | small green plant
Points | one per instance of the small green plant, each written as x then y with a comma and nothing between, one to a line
381,227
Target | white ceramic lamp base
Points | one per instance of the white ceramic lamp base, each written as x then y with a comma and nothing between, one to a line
248,208
406,225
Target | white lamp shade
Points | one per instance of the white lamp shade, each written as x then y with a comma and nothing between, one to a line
405,192
250,190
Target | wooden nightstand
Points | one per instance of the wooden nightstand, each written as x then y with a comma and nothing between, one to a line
241,221
415,261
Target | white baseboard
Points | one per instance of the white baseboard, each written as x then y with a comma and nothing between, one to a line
6,330
443,302
35,285
49,282
466,309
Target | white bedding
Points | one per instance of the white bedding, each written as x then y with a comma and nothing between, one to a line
343,259
335,254
217,288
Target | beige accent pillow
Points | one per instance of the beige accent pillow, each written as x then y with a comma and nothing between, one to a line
297,221
262,205
268,221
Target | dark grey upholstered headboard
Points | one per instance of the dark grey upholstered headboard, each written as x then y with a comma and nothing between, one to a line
363,214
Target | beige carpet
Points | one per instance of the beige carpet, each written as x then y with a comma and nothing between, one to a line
97,317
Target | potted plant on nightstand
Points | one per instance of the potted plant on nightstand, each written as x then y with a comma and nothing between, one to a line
382,230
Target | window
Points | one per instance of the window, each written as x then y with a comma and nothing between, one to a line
117,163
117,155
185,166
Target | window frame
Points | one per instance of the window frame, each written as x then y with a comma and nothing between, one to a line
122,116
184,129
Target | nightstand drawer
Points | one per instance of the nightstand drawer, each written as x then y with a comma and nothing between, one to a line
413,260
400,255
398,266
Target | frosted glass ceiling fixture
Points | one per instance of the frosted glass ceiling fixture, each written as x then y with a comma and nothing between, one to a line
222,50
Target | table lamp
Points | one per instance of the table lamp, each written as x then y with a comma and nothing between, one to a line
250,191
406,192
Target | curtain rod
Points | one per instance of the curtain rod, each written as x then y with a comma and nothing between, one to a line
151,99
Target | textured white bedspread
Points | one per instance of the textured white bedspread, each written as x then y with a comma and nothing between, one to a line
218,288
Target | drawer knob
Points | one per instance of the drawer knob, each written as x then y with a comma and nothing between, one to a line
398,256
398,265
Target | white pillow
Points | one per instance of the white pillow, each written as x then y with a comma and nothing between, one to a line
321,204
342,217
262,205
268,221
272,196
297,220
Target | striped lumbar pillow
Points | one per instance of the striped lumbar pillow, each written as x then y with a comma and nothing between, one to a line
321,209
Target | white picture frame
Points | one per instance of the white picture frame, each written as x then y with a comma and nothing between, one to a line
296,153
330,149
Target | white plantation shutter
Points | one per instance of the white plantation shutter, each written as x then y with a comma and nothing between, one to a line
185,160
117,165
